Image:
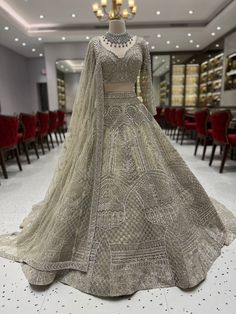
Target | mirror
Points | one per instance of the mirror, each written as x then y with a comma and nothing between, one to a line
68,76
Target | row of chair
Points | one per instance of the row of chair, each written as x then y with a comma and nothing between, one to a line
208,129
29,131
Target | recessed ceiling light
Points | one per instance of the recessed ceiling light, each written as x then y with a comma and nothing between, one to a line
153,47
63,38
217,45
87,37
158,12
41,16
6,28
23,44
168,42
213,34
16,39
218,28
191,41
40,38
147,42
189,34
177,46
158,35
197,45
73,15
190,11
33,49
41,54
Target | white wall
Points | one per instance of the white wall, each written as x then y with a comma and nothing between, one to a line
60,51
36,65
229,97
14,82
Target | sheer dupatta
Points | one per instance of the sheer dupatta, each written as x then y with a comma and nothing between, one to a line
54,234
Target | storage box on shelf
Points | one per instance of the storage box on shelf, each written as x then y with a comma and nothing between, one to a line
178,80
230,75
192,81
211,81
61,93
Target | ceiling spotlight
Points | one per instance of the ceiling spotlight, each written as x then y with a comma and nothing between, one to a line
63,38
41,54
16,39
168,42
40,38
87,37
153,47
158,12
217,45
177,46
41,16
147,42
158,35
23,44
190,11
191,41
213,34
218,28
197,45
6,28
189,34
33,49
73,15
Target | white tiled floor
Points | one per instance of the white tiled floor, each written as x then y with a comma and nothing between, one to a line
217,294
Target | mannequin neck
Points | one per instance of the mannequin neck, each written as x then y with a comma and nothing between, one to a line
117,26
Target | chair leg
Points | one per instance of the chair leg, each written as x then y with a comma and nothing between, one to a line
196,146
59,132
48,142
226,150
182,136
26,152
2,162
56,138
17,158
212,154
204,149
41,144
63,132
35,149
178,133
50,135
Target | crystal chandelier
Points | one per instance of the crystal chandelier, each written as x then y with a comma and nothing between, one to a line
116,13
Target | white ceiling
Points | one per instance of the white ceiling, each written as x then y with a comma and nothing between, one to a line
173,24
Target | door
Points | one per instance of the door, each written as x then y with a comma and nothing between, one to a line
43,96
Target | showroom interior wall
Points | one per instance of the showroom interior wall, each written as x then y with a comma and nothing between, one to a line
60,51
18,82
229,97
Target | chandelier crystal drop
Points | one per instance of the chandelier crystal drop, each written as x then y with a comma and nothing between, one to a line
116,12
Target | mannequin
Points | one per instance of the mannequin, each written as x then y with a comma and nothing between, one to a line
118,27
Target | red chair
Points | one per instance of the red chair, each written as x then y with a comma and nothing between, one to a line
158,115
220,123
42,129
173,124
183,124
61,123
9,139
167,119
203,133
29,124
53,126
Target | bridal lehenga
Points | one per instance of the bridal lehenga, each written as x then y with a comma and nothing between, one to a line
123,211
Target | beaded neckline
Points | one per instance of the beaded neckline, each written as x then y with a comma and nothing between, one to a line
117,40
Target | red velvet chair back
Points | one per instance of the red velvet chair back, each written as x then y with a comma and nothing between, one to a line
8,131
220,123
53,121
43,119
167,115
180,113
172,117
29,121
201,118
158,114
61,118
